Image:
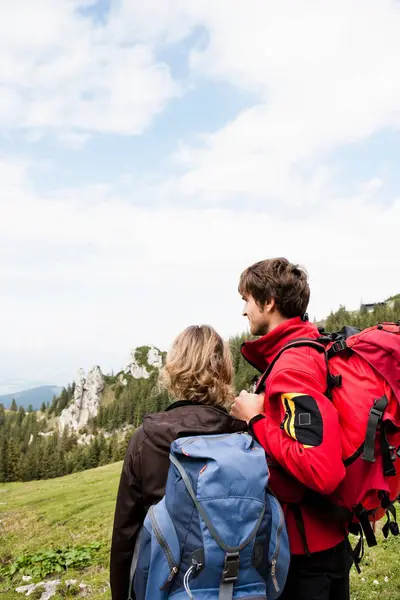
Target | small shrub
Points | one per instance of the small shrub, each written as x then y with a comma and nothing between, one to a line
49,562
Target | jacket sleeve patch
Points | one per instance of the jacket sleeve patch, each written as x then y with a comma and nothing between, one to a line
303,419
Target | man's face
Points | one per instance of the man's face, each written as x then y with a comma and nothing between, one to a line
259,318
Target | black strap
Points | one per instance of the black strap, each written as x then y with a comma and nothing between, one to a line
389,454
366,526
297,343
207,521
375,417
300,526
351,552
357,553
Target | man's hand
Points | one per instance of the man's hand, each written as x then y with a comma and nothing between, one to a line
246,406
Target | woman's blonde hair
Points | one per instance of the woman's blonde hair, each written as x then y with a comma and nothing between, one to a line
199,367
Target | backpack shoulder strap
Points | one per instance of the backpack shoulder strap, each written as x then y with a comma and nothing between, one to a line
297,343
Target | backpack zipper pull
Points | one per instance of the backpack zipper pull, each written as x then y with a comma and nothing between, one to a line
273,568
273,575
172,574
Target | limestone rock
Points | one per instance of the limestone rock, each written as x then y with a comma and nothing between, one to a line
122,379
143,361
85,439
49,588
86,402
26,589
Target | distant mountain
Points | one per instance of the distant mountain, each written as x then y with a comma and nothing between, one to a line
35,396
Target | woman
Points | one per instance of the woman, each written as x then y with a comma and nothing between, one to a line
198,375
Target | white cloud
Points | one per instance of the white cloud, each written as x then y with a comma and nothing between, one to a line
322,76
59,72
86,275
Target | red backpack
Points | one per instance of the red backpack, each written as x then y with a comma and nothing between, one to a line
363,382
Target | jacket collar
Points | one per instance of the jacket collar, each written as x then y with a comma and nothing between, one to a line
259,353
181,403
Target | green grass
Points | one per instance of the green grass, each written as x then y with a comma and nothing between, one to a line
381,564
69,511
78,509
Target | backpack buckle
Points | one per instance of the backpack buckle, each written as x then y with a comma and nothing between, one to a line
231,567
339,346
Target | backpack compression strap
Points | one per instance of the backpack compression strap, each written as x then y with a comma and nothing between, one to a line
374,419
134,562
232,553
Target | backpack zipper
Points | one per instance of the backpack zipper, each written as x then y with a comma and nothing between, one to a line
278,547
217,438
166,549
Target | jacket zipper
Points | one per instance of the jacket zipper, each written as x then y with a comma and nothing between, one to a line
277,547
166,549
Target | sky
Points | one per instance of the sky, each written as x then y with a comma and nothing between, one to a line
150,151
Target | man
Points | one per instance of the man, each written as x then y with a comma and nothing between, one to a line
297,425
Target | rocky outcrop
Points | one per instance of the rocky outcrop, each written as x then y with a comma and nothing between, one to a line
85,439
86,402
144,361
46,589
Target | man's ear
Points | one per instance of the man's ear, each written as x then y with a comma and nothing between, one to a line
270,306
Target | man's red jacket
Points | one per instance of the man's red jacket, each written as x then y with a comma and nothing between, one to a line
299,431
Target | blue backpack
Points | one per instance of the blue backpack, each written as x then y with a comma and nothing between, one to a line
218,533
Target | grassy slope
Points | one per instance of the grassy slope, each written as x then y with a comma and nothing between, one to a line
78,509
72,510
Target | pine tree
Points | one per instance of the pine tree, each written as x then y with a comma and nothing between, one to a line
93,454
67,442
21,414
3,459
30,408
14,406
79,459
13,461
53,406
45,461
104,457
114,450
61,466
62,401
139,413
30,465
125,442
43,407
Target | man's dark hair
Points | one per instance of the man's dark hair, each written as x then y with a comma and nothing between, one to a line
279,279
